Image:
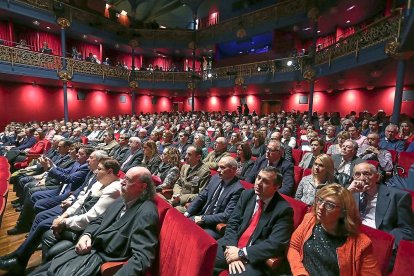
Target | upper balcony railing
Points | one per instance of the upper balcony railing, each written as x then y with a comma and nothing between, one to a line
386,29
262,16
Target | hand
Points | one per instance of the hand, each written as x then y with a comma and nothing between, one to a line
198,220
175,199
58,225
357,186
232,254
84,245
42,182
65,204
236,267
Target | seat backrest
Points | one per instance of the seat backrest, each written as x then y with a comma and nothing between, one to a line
116,135
405,160
394,156
297,176
297,156
162,207
84,140
404,259
373,162
213,172
246,185
299,209
185,248
306,172
382,244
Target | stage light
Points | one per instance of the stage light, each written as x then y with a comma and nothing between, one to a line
289,63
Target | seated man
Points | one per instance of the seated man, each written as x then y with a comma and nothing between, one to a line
216,202
87,207
128,231
134,156
371,151
390,141
194,177
382,207
274,158
347,159
220,150
110,145
259,228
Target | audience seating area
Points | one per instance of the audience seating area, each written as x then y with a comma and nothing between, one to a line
184,248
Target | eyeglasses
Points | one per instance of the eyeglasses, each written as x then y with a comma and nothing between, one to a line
327,204
271,150
364,173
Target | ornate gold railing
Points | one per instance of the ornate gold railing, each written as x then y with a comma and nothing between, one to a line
384,29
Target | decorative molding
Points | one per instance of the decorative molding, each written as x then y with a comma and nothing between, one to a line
309,74
63,22
133,84
64,75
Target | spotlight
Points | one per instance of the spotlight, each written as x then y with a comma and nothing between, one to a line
289,63
209,75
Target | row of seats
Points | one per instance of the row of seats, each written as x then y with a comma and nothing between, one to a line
4,184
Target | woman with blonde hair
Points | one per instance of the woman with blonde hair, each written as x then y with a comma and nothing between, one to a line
169,169
322,175
328,241
151,158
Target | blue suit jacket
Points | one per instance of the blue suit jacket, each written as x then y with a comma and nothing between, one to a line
73,176
27,143
284,167
225,205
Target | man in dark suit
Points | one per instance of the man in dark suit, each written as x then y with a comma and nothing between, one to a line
259,228
125,232
347,159
216,202
134,155
183,143
121,151
274,157
382,207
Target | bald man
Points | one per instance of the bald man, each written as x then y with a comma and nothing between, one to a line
128,231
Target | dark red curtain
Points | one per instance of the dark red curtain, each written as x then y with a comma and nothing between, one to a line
31,37
52,40
163,63
84,48
5,33
123,58
325,41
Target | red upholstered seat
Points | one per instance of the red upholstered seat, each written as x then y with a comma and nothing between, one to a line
2,207
297,176
382,244
84,140
116,135
297,156
246,185
213,172
299,209
394,156
306,172
373,162
405,160
404,259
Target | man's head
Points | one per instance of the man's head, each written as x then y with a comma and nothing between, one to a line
373,125
137,184
391,132
276,136
330,131
274,151
83,154
109,136
267,182
368,174
193,155
123,139
353,132
95,157
346,124
227,167
63,147
183,136
142,133
107,170
221,144
349,149
373,139
77,132
134,143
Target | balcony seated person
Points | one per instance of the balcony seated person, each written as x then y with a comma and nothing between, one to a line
216,202
45,48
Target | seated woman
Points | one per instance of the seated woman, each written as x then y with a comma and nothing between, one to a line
406,132
328,241
244,162
341,138
308,158
235,138
200,142
322,174
258,146
305,143
151,158
169,169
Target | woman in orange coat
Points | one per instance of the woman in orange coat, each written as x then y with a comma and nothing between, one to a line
328,242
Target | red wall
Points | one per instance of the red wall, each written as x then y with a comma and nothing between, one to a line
25,102
348,100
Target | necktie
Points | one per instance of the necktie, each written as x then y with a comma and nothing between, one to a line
213,203
363,202
245,237
126,161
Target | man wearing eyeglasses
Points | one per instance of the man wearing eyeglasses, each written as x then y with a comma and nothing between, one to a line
110,144
382,207
220,150
274,158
